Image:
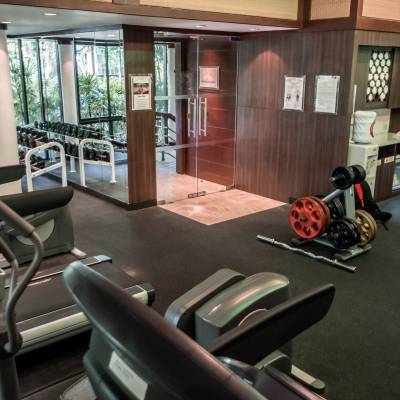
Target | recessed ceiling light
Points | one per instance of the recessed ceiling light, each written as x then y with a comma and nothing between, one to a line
201,26
254,29
50,14
5,22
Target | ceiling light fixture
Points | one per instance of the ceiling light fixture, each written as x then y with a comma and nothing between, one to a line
5,22
111,35
50,14
254,29
201,26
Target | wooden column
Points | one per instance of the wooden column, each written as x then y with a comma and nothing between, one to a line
139,59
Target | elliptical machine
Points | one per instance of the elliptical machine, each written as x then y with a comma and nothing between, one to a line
10,339
54,226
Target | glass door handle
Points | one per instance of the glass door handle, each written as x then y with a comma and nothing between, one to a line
192,116
203,107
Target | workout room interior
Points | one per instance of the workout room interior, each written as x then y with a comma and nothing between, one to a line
199,200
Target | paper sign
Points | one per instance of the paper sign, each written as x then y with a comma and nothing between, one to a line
141,92
294,93
326,93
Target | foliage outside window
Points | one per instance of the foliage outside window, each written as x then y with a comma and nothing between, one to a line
35,85
50,80
31,74
16,80
101,86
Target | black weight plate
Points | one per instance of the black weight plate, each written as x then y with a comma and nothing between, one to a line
356,230
342,178
359,173
336,209
342,234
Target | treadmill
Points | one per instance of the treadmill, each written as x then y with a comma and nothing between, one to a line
46,312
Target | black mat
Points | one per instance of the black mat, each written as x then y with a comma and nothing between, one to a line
355,349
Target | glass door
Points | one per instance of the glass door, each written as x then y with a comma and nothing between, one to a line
195,82
217,113
176,102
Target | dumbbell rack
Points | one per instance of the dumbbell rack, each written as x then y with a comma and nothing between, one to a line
40,171
81,159
350,212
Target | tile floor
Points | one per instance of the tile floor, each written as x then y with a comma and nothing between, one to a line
223,206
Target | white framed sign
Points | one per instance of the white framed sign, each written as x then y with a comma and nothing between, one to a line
294,93
209,78
326,94
141,92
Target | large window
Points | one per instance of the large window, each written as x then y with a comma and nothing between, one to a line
35,80
16,80
50,80
101,87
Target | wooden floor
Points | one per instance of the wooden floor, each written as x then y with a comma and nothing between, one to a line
222,206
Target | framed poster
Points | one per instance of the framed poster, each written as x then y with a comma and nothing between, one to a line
326,94
294,93
209,78
141,92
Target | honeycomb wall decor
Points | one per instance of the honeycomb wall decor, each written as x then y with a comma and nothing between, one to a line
380,64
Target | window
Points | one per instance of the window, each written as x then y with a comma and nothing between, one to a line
30,72
35,79
16,80
50,80
101,86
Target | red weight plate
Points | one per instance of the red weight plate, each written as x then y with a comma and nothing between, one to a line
326,212
307,218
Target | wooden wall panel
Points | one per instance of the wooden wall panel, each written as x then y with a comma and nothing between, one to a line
139,59
284,9
288,153
381,9
327,9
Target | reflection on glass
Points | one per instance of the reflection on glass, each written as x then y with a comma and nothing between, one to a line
31,73
16,80
50,80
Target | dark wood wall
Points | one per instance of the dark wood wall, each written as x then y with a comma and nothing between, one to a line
139,59
216,151
289,153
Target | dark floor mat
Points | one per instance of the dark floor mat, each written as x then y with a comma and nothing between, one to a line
354,349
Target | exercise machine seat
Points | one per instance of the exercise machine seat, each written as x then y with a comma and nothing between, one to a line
11,173
136,354
39,201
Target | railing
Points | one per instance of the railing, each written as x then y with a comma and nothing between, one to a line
30,174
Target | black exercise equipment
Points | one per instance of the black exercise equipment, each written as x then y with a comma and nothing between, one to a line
157,361
11,173
342,177
47,210
333,220
22,295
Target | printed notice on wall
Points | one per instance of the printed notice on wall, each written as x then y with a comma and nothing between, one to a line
141,92
326,93
294,93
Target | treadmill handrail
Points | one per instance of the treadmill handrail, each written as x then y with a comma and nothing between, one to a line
274,328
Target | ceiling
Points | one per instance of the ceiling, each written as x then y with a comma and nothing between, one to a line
30,20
